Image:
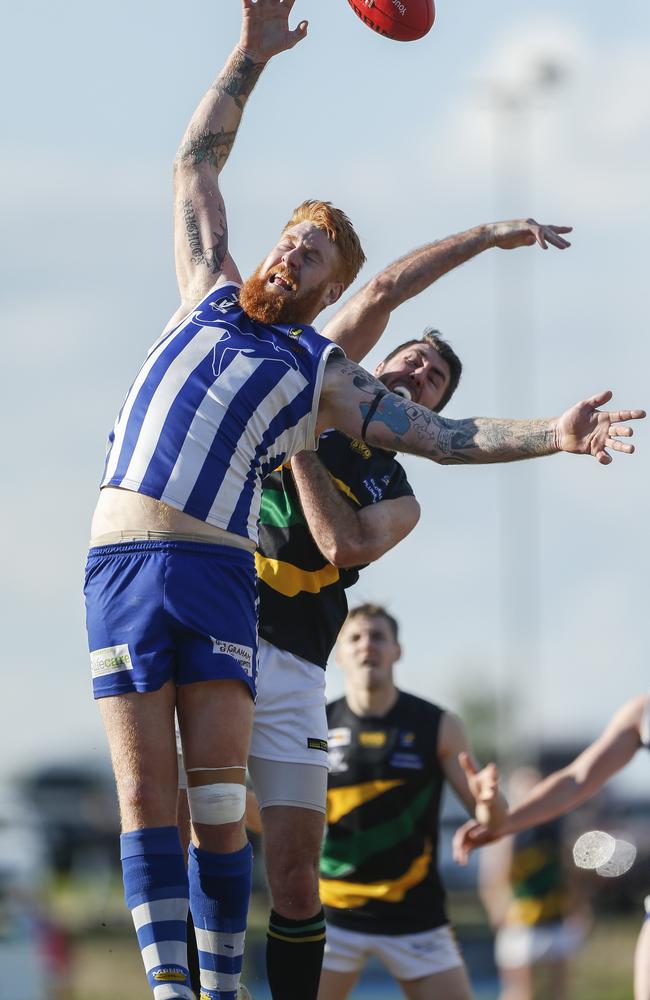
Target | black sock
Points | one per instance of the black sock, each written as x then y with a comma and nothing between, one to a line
193,956
294,956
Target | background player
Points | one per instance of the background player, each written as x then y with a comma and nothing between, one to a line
390,755
525,886
626,732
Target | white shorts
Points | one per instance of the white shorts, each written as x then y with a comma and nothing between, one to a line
517,946
290,722
406,956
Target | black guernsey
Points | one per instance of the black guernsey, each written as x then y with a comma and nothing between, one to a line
302,596
379,870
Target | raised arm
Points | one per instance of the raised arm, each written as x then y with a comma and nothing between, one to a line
355,402
360,322
200,227
346,535
572,785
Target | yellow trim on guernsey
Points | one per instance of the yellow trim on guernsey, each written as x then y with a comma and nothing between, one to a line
341,801
289,580
348,895
345,489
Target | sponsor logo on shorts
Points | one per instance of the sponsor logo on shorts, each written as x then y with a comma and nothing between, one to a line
170,976
339,737
110,660
406,739
425,947
243,654
372,739
315,744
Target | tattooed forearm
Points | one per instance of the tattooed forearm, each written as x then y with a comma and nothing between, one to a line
477,440
203,146
215,255
193,233
238,78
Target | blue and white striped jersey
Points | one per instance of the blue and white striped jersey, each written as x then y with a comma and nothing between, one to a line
219,402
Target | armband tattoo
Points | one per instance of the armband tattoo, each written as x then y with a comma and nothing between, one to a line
371,412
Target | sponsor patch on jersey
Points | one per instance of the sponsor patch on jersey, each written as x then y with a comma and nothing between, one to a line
243,654
314,744
410,760
406,739
337,761
372,739
361,448
110,660
296,332
170,975
374,488
339,737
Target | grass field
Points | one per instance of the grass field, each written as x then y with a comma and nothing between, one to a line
107,966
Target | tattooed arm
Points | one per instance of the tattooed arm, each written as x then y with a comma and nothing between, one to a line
200,226
359,404
358,325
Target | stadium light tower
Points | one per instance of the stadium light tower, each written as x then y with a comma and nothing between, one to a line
514,103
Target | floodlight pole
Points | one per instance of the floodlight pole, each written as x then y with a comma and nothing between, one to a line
520,679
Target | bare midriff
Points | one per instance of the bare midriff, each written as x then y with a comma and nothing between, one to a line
122,516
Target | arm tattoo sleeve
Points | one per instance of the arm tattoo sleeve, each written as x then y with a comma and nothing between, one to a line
205,146
460,442
215,255
193,232
239,78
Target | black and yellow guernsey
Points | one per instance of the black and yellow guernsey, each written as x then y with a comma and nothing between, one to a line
379,870
302,596
538,877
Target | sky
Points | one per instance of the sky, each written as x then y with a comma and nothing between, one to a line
525,584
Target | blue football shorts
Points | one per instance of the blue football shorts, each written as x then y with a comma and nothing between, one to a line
172,610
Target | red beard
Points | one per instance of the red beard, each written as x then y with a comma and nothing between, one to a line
266,306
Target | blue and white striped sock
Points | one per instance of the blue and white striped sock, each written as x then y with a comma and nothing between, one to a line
220,888
156,891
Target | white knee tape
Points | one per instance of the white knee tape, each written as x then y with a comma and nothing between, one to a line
217,804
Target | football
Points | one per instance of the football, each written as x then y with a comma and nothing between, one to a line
401,20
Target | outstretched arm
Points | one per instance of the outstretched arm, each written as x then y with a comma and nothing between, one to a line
200,227
358,325
572,785
346,535
355,402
